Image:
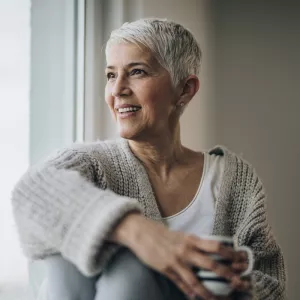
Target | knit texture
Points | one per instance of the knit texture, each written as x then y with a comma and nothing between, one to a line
70,203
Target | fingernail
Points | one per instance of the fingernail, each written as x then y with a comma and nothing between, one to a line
236,277
230,276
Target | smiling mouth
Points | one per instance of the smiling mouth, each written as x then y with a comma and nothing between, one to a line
128,109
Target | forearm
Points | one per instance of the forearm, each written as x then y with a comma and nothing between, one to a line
126,232
68,214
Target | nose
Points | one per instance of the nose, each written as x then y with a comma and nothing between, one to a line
120,87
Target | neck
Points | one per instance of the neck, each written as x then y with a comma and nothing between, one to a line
159,154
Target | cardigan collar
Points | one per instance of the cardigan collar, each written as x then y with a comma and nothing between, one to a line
148,201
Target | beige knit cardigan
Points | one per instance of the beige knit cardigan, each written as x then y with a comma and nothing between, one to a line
71,202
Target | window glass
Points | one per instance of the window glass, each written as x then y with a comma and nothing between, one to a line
14,137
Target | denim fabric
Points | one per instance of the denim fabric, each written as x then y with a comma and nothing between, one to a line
124,278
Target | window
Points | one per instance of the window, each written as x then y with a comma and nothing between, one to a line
14,136
41,108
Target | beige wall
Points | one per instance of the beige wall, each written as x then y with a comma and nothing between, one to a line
249,98
258,106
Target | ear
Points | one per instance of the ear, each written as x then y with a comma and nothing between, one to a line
189,88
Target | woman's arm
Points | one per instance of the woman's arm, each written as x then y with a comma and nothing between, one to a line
269,275
173,253
59,209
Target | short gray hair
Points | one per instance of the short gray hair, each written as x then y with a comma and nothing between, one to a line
173,45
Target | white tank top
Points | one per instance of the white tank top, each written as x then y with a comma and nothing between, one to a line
198,217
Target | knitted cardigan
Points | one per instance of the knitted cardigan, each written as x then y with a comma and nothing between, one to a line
72,201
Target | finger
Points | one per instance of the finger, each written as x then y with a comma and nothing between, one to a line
239,267
205,245
213,247
204,261
200,260
240,284
241,256
189,278
224,271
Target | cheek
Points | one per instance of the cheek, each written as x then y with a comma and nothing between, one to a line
159,102
150,96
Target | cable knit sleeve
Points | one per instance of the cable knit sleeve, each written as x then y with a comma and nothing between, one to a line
269,275
63,206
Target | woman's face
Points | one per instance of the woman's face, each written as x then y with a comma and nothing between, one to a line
139,92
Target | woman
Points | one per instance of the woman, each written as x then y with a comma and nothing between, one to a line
134,210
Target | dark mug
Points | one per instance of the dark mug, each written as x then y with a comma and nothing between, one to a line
211,281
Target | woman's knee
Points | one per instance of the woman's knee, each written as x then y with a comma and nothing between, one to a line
127,277
65,281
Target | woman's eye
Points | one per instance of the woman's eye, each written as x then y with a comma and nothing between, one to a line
110,76
137,72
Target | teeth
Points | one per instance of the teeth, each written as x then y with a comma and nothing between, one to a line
126,109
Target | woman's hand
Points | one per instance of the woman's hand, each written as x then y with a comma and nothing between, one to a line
243,284
239,266
174,253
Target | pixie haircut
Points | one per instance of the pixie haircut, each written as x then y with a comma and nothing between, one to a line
174,47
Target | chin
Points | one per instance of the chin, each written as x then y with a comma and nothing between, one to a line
132,131
127,134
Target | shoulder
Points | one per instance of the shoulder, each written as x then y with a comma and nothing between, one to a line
232,159
102,156
92,147
242,195
238,171
101,150
100,161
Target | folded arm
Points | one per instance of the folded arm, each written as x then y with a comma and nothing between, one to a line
63,206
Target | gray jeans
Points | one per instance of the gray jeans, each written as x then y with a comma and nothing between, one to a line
125,278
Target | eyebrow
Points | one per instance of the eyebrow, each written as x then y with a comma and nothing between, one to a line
130,65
